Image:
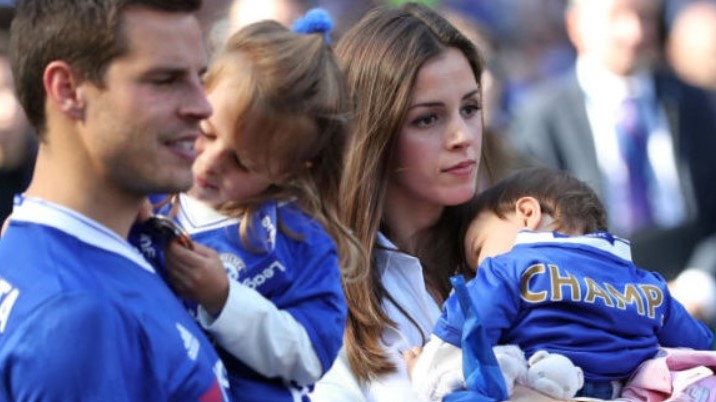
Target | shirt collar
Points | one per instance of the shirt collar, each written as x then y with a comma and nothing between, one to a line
42,212
603,241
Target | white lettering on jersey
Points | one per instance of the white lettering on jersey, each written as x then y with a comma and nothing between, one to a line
146,246
190,342
233,264
270,229
261,278
8,297
222,378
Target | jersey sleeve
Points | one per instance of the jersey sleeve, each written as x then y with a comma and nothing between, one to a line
76,348
682,330
320,304
279,344
297,336
497,293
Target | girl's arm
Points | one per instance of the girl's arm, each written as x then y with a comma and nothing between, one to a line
270,341
246,324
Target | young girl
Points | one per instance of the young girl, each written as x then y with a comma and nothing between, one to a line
263,209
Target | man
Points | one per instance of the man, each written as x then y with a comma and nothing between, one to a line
113,89
641,137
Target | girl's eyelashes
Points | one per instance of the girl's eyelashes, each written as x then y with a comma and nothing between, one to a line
471,109
237,161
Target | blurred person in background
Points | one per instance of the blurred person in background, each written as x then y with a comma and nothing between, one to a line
691,44
640,136
17,144
691,52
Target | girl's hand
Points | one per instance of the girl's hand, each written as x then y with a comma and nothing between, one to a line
197,274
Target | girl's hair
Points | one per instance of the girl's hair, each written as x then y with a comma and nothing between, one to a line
381,56
290,90
574,206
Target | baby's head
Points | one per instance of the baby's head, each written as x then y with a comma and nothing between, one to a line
534,199
280,116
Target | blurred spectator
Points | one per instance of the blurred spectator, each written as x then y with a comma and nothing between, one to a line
636,133
244,12
691,51
691,46
241,12
17,144
212,11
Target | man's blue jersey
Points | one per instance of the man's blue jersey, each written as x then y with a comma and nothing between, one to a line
83,317
292,262
578,296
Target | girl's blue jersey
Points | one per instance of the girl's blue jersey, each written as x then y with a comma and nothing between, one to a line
578,296
291,261
83,317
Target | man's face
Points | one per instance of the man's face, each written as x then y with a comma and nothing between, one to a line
621,34
140,126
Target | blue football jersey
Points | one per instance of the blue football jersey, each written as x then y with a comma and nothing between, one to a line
578,296
292,262
83,317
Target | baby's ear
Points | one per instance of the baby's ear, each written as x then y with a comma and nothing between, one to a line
529,212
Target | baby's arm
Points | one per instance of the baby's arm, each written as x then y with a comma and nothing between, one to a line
437,370
682,330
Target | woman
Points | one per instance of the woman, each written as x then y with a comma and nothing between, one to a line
412,162
411,166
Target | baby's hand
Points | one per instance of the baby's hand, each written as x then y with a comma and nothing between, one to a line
197,274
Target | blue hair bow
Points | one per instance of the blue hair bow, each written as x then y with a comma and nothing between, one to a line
316,20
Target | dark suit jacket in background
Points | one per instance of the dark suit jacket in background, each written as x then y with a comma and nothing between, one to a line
553,126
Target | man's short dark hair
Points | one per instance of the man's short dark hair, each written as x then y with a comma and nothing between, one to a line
87,34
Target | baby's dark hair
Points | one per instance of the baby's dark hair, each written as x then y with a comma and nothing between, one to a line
574,206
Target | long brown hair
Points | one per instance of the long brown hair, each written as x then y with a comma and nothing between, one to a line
289,85
381,57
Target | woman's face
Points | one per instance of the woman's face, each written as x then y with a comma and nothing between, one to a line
438,150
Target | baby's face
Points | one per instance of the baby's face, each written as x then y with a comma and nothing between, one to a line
489,235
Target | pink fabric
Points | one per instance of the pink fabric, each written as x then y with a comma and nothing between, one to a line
675,374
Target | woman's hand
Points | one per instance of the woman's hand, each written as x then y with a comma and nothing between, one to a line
197,274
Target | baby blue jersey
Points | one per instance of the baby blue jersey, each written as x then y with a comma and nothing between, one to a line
291,261
83,317
578,296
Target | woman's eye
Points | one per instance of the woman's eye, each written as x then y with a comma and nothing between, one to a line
470,109
425,121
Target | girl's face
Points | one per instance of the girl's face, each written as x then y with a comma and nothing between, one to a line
222,172
438,150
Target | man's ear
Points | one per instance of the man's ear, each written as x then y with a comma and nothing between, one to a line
62,89
529,212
